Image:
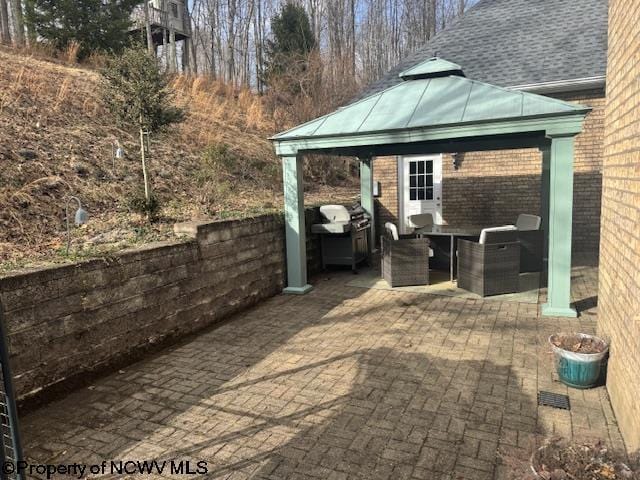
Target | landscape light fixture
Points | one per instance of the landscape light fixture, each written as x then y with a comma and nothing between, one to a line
117,153
81,218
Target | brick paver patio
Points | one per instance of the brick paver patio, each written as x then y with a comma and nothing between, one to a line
340,383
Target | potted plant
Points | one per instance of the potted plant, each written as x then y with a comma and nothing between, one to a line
559,459
580,358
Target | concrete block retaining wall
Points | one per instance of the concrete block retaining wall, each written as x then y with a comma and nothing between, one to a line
65,322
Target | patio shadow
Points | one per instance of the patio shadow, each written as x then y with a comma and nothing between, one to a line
411,414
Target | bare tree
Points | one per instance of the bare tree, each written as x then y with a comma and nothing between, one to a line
18,22
359,40
5,34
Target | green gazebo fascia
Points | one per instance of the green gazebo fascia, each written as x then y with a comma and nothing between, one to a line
437,109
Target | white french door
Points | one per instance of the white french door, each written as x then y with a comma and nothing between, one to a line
420,187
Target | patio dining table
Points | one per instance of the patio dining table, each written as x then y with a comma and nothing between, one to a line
453,232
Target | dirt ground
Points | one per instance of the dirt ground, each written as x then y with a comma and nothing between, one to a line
57,141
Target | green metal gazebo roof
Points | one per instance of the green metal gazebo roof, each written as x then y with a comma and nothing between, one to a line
434,94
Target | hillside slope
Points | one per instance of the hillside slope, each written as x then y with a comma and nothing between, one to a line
56,141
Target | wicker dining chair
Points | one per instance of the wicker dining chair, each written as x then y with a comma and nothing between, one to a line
420,220
531,240
405,260
490,266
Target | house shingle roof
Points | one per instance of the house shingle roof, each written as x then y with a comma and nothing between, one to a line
519,42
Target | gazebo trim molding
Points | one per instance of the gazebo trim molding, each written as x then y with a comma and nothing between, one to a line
556,125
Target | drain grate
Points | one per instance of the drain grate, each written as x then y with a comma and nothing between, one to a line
554,400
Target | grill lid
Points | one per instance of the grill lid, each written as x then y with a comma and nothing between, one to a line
335,213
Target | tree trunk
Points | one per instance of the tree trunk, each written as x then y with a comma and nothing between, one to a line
29,10
185,56
188,47
231,40
5,34
172,51
352,39
258,44
18,22
165,46
147,191
432,18
147,26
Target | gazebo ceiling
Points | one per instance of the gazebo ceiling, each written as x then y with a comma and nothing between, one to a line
434,94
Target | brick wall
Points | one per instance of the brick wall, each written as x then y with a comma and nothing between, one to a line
64,322
494,187
385,171
619,294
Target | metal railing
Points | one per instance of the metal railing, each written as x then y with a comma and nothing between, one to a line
10,446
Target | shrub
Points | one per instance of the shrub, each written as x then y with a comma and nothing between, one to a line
139,203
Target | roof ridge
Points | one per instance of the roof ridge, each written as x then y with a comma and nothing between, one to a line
370,110
418,103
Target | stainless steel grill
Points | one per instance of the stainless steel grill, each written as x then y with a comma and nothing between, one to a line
344,235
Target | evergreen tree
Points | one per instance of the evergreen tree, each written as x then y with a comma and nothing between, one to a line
97,25
138,94
292,43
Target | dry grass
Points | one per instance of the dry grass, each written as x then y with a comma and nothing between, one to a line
56,140
71,52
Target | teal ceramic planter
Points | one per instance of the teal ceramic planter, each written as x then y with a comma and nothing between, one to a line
580,370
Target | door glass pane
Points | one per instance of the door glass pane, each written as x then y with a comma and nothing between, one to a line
421,182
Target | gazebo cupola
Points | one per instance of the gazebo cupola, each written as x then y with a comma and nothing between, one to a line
430,68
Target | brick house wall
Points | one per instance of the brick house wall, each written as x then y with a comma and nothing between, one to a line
619,283
494,187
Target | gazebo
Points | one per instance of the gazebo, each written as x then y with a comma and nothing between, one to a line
437,109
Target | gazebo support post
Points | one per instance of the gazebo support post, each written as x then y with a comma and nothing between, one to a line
295,225
544,200
560,226
366,196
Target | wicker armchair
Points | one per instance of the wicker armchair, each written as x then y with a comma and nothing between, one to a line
492,267
405,261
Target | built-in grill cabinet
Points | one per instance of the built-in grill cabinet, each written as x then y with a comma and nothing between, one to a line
344,235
